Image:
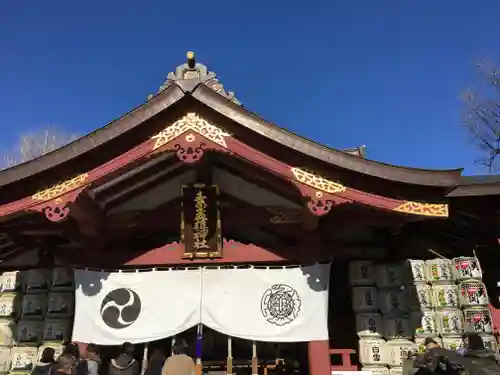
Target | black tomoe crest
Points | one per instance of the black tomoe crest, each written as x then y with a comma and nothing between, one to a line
120,308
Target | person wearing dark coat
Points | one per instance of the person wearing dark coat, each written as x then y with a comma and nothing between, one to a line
156,362
46,366
125,363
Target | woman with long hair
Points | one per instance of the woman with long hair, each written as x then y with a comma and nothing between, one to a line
156,362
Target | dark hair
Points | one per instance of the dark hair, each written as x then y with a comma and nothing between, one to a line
66,361
179,347
92,348
475,342
157,356
48,355
128,348
71,349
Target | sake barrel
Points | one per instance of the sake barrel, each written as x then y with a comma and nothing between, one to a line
34,306
375,370
56,330
423,323
453,343
420,343
450,322
365,299
473,293
11,281
392,301
29,331
389,276
419,296
397,326
57,349
478,320
369,325
60,305
37,280
23,359
445,296
361,273
467,268
9,305
7,331
414,271
489,342
373,352
396,370
4,359
63,279
439,271
398,350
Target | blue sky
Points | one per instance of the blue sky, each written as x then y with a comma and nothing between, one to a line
384,73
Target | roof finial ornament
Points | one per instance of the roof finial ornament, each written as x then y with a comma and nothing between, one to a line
193,70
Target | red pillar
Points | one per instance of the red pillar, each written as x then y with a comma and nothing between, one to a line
319,357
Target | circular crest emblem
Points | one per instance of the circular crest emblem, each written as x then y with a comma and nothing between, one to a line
280,304
120,308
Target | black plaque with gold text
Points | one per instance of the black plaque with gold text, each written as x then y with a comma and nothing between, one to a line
200,221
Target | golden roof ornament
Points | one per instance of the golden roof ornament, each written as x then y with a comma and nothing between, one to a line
194,70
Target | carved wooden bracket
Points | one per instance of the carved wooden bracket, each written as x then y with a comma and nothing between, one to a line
58,209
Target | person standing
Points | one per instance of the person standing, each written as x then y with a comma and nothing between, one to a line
66,365
92,359
125,363
47,362
155,364
179,363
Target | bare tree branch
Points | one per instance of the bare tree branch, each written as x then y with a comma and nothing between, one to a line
37,143
481,115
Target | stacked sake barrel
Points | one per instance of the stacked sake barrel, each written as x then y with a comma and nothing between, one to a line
41,313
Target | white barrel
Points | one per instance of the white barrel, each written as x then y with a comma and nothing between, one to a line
414,271
9,305
389,275
396,370
445,296
369,325
420,343
478,320
34,306
376,370
453,343
397,327
419,296
361,273
11,281
7,332
398,350
365,299
23,359
63,279
4,359
450,322
490,342
424,323
439,271
60,305
29,331
467,268
373,352
56,330
392,301
473,293
37,280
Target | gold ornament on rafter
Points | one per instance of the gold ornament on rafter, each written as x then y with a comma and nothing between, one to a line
424,209
190,122
316,181
61,188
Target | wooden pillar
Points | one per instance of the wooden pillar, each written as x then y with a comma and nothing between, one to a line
319,357
229,364
255,365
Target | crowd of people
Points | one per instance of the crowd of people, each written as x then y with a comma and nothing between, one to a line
71,362
472,359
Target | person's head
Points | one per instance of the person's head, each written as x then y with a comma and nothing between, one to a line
71,349
92,351
431,343
48,355
179,346
473,341
157,356
66,364
128,348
